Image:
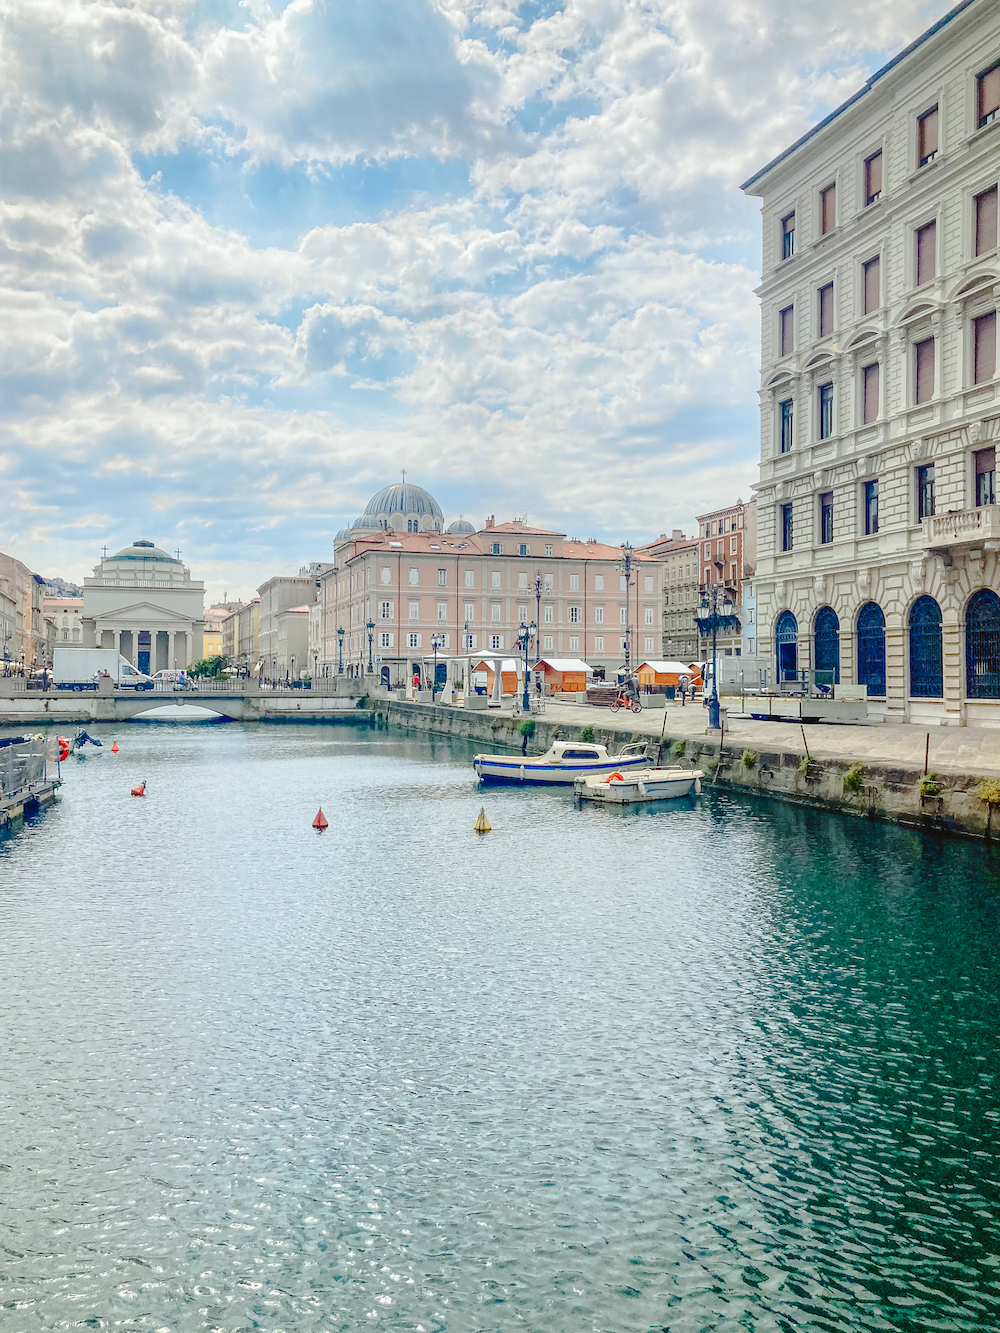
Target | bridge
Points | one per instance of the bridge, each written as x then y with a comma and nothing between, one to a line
205,702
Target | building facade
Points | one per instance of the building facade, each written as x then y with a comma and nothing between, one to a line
727,547
65,615
415,581
879,533
145,604
679,556
278,595
24,629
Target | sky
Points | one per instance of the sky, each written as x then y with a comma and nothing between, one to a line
258,256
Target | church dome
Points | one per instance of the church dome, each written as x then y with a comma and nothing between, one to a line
344,535
404,498
143,550
461,526
367,522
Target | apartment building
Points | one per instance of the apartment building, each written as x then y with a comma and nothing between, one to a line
23,628
880,407
679,556
404,579
276,596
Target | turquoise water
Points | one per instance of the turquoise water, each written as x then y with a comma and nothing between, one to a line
719,1066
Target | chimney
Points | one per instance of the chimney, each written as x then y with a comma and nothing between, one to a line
677,535
490,520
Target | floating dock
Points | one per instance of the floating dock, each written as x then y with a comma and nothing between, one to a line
25,782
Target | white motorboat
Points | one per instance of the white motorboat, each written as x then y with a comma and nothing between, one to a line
561,764
651,784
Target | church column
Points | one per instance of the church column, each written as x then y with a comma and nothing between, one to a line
171,649
118,641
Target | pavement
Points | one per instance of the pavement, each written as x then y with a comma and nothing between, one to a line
952,749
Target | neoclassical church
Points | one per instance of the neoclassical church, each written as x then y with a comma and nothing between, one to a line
144,602
402,507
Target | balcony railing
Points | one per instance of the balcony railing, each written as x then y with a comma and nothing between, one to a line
963,526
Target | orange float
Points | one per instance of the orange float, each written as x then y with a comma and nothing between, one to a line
320,822
140,790
114,748
616,777
63,744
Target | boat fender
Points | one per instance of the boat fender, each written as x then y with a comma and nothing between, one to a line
697,786
642,787
521,771
615,777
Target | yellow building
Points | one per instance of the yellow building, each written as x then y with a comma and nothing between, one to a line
212,637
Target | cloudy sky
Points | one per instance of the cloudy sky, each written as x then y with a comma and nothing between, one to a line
259,255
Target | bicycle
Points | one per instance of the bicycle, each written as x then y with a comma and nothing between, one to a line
630,704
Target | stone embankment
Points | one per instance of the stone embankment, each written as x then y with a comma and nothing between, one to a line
876,771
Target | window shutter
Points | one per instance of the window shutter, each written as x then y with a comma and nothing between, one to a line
873,178
927,137
828,208
926,253
985,347
986,220
787,330
873,298
989,95
925,370
869,410
985,460
826,310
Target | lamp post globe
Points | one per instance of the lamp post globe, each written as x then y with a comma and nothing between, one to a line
527,632
340,650
370,627
437,642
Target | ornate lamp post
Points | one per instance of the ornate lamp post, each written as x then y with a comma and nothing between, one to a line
711,621
625,567
526,634
437,642
370,627
538,598
340,651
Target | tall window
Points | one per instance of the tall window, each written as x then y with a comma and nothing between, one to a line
825,411
786,330
927,137
442,611
986,484
982,645
598,615
872,294
826,517
414,577
869,393
926,253
826,634
414,610
788,236
574,615
786,527
926,658
442,578
871,648
785,424
470,578
522,548
574,582
925,491
871,508
988,95
923,382
469,609
827,209
986,221
873,177
826,310
786,642
984,347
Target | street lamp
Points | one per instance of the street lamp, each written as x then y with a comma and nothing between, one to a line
437,642
625,567
340,651
527,632
710,622
538,598
370,627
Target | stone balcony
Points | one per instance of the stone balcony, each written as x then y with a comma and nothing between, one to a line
963,527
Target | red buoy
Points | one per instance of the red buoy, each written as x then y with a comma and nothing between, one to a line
140,790
320,822
114,748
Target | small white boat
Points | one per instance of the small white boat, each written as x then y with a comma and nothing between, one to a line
562,763
653,784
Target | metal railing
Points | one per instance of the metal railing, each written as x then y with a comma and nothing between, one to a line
20,766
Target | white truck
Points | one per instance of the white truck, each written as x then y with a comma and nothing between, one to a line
75,668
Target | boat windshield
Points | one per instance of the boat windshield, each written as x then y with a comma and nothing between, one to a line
580,754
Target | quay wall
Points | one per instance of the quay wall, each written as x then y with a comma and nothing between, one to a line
883,791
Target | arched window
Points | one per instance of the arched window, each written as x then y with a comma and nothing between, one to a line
786,645
826,631
871,648
926,665
982,645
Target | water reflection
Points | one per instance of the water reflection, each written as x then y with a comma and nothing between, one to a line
723,1065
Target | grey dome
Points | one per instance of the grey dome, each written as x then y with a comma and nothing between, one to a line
461,526
344,535
366,522
143,550
404,498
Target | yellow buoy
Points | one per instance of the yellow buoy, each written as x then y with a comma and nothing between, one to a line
483,825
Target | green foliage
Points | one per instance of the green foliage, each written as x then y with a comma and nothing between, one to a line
804,765
929,785
677,748
587,734
749,758
711,763
854,779
527,728
209,666
989,791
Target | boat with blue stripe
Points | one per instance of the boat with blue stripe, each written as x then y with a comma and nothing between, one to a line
560,765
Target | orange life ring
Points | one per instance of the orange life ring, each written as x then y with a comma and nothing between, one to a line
616,777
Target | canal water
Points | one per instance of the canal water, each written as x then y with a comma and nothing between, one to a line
721,1066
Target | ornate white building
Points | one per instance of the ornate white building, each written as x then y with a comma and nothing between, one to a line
144,603
878,529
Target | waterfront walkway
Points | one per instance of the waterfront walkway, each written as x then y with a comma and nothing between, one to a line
952,749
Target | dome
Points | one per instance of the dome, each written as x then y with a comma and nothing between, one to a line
344,535
367,522
143,550
404,498
461,526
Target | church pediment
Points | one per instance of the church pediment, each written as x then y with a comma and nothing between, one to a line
144,614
